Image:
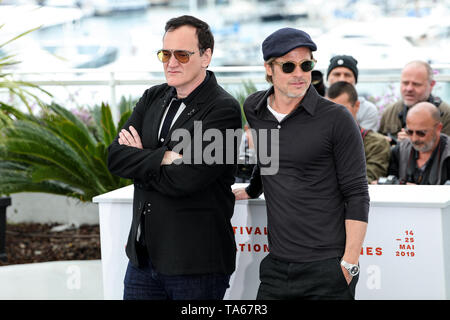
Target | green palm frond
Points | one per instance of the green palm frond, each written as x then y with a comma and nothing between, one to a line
7,109
123,118
15,177
55,153
18,36
108,127
248,87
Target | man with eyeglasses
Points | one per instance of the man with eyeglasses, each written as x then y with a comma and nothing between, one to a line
181,244
423,158
318,201
416,85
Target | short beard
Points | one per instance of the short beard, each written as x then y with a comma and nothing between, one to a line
290,95
425,147
294,96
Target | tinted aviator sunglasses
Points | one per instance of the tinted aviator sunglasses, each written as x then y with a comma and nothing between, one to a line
289,66
419,133
182,56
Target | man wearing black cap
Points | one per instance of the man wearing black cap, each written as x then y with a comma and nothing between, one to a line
344,68
318,201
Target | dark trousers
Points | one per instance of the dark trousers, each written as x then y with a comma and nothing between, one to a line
147,284
318,280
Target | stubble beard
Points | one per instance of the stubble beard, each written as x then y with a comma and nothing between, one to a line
425,146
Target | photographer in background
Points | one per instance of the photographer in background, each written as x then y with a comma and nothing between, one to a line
416,85
424,158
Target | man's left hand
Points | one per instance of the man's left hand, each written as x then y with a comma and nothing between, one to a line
347,275
131,138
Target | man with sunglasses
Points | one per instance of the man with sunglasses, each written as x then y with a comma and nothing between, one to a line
181,243
318,201
423,158
416,85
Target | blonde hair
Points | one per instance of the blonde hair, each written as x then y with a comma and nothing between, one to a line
270,63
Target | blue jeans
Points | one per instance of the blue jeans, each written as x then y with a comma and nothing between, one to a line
147,284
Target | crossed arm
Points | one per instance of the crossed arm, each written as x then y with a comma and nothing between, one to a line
156,169
132,139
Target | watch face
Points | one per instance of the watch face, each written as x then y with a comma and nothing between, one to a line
354,270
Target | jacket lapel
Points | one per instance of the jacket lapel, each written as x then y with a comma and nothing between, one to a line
187,113
164,102
194,106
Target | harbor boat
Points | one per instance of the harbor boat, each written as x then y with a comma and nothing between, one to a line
107,7
84,55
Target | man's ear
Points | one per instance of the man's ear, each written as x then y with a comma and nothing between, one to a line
432,83
269,70
439,128
206,58
356,106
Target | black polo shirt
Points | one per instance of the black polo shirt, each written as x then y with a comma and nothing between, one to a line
321,179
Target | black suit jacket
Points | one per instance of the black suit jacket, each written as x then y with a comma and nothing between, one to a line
188,207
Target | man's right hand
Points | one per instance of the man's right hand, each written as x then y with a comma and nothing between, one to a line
241,194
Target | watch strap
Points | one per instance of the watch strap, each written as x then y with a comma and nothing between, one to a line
353,269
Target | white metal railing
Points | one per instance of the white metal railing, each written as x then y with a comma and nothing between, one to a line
110,77
225,75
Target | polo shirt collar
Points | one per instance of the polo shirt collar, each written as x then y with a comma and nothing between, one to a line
309,101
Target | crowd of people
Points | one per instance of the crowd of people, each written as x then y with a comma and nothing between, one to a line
181,243
425,155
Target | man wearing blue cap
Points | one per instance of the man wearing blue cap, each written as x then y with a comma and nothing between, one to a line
318,201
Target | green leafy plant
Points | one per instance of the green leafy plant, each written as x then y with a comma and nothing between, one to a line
248,87
56,153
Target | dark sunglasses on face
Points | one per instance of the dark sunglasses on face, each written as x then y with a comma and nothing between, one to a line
182,56
419,133
289,66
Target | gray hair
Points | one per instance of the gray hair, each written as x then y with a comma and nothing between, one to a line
424,64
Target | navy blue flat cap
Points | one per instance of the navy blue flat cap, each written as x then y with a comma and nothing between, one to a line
284,40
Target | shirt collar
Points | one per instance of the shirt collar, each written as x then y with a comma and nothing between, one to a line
194,93
309,101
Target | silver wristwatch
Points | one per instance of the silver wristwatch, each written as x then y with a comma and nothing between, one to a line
353,269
